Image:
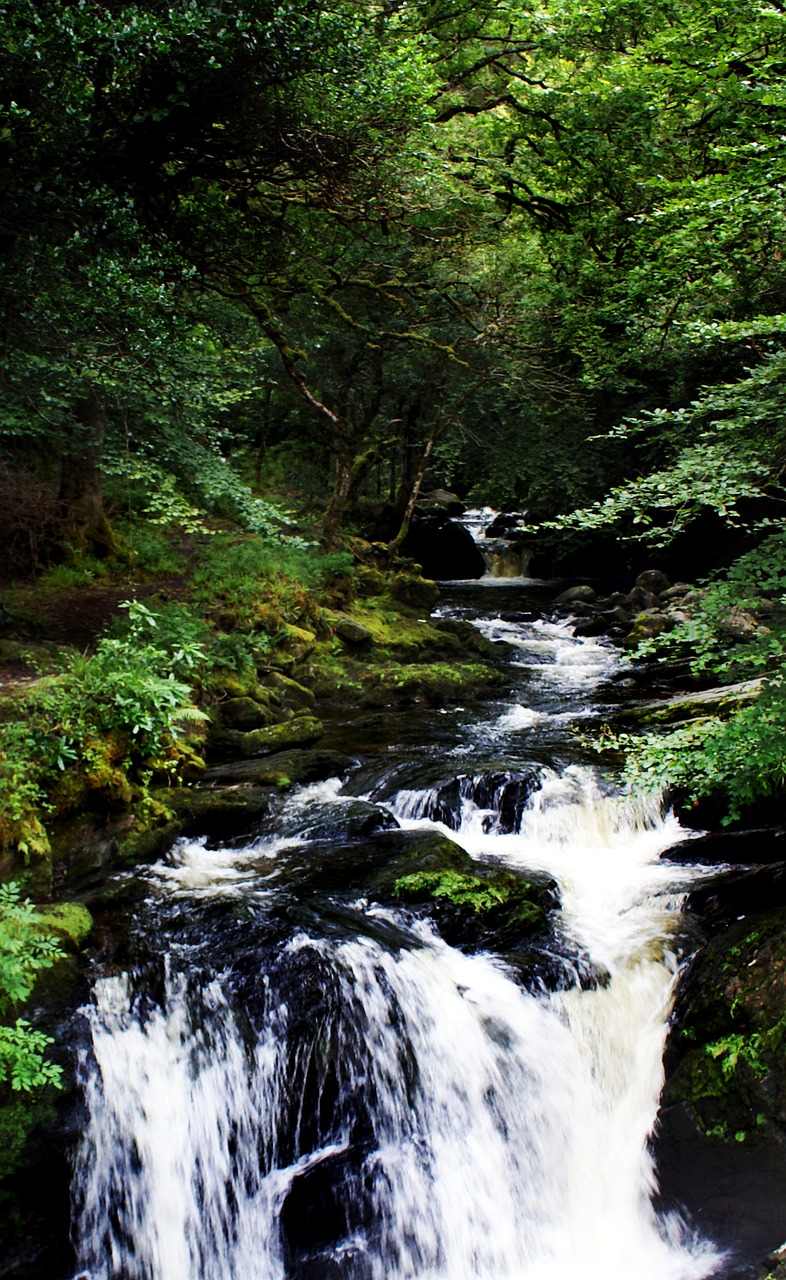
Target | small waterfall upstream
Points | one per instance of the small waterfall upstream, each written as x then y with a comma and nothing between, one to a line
499,540
360,1100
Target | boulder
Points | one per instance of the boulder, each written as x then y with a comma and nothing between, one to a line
281,768
641,600
445,550
677,592
654,581
243,714
288,691
445,500
301,731
580,594
352,632
648,624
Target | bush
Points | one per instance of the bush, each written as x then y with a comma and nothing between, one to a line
24,952
98,728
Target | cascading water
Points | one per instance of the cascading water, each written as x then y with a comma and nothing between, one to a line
315,1087
503,551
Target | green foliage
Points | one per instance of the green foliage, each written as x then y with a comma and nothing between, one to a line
734,628
741,759
98,728
22,797
24,952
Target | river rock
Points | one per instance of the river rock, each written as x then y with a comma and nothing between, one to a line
762,845
288,691
301,731
654,581
352,631
345,819
282,769
677,592
445,550
444,499
642,600
580,594
217,811
726,1062
650,623
243,714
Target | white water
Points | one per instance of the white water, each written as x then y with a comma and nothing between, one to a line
506,1132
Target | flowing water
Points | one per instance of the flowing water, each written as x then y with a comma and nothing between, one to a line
296,1080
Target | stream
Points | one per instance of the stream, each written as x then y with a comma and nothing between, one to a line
292,1078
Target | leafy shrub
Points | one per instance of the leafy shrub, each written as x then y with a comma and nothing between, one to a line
24,952
149,548
252,581
21,793
741,756
97,727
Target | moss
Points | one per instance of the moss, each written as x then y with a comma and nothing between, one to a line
290,691
71,922
483,894
473,904
301,731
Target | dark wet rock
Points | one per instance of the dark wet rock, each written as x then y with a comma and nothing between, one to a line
726,1062
760,845
282,768
505,523
470,639
654,581
445,500
677,592
244,714
445,550
738,893
86,851
643,601
346,819
580,594
505,794
225,811
597,626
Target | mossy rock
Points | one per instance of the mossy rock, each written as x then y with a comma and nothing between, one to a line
726,1061
436,684
301,731
284,768
224,811
471,903
70,922
480,906
244,713
470,640
287,690
414,591
298,641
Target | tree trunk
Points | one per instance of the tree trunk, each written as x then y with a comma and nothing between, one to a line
394,546
86,528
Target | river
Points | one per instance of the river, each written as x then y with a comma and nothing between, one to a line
290,1079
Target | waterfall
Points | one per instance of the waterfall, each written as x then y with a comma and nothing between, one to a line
370,1103
505,555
